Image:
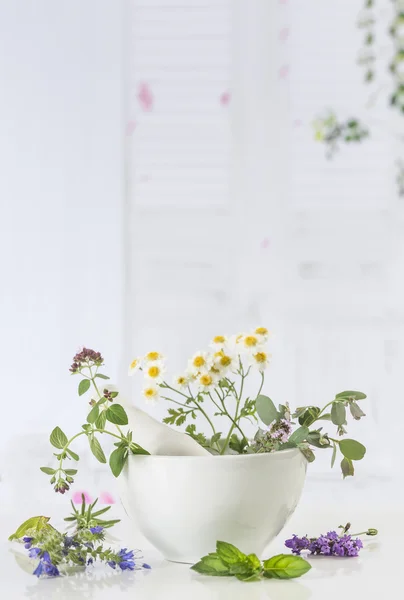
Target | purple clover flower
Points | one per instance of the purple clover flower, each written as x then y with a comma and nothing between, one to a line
326,545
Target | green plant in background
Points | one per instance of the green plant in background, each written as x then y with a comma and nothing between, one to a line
331,132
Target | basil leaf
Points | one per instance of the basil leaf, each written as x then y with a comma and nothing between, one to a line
58,439
352,449
285,566
338,413
211,565
48,471
266,409
118,459
347,467
84,386
229,554
299,435
97,450
93,414
116,414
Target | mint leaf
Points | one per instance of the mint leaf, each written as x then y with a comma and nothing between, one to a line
101,376
211,565
72,454
347,467
101,420
338,413
229,554
285,566
93,414
84,386
97,450
266,409
118,459
136,449
352,449
116,414
70,471
58,439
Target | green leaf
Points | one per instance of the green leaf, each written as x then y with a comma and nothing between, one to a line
58,439
211,565
352,395
324,417
228,553
352,449
309,416
97,450
101,376
285,566
299,435
48,470
72,454
117,460
93,414
308,453
338,413
334,455
216,437
101,511
136,449
34,523
70,471
315,437
347,467
84,386
116,414
266,409
356,411
101,420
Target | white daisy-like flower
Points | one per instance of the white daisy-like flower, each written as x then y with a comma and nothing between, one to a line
151,393
154,371
201,361
225,361
262,333
153,356
206,381
218,342
181,381
134,366
250,342
261,360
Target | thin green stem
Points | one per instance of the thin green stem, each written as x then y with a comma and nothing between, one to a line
229,415
175,402
202,411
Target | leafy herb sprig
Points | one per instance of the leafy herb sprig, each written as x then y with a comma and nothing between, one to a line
229,561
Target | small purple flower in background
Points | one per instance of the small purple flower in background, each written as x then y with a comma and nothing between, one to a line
96,529
127,559
27,542
281,430
331,544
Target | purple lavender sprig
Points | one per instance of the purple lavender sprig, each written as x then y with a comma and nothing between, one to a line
331,544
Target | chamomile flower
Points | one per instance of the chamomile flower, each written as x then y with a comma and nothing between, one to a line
250,342
225,361
262,333
151,393
181,381
154,371
153,356
218,342
261,360
201,361
206,381
134,366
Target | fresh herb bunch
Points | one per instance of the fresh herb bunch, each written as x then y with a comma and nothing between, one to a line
331,544
104,413
230,561
82,547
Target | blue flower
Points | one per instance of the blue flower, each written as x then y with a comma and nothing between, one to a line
90,561
146,566
96,529
112,564
27,542
34,552
127,559
45,565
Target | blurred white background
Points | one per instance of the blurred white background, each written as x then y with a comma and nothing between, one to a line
160,184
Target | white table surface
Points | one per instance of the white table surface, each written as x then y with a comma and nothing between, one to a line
376,573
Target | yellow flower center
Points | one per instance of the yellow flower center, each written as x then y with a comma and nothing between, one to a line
260,357
154,371
261,331
181,380
199,361
225,361
153,356
149,392
134,363
205,379
250,341
219,339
